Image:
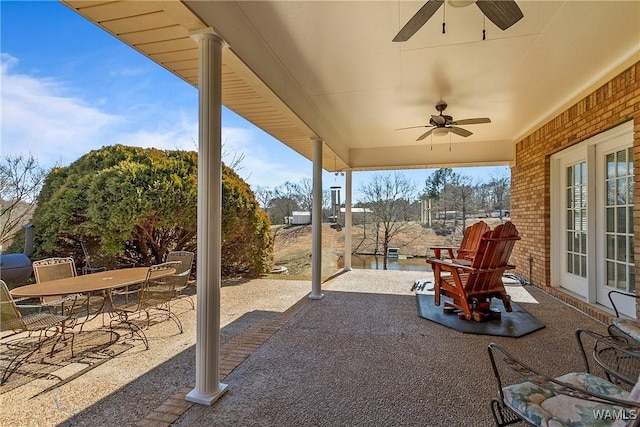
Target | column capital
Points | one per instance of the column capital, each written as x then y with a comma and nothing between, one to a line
316,139
208,33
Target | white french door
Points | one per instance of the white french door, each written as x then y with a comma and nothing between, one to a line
615,223
592,218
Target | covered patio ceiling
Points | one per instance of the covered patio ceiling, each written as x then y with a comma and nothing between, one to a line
299,69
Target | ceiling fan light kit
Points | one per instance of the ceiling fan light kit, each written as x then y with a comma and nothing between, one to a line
440,131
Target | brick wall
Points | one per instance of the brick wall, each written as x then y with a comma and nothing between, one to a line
614,103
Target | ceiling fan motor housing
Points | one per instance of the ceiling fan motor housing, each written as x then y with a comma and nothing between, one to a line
443,121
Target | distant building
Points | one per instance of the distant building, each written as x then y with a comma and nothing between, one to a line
500,214
358,215
298,218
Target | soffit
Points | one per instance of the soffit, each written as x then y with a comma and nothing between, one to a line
298,69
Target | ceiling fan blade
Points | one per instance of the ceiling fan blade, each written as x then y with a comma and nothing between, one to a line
414,127
460,131
476,121
426,134
503,13
418,20
439,120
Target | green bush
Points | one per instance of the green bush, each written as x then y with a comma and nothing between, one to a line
136,204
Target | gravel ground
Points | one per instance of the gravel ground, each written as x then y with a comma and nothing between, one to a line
362,356
123,390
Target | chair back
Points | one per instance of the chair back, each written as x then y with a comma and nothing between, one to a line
471,240
492,257
50,269
160,285
186,259
9,313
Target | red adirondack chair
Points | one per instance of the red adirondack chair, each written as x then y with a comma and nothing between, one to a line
471,286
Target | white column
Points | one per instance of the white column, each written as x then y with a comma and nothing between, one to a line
208,388
347,221
316,222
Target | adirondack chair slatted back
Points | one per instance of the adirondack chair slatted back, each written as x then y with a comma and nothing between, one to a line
469,244
471,240
492,258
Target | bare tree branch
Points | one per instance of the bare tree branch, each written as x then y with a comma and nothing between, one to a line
21,179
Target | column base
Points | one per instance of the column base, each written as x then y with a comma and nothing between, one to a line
316,296
347,269
206,399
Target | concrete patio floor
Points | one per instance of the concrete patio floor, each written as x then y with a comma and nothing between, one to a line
359,356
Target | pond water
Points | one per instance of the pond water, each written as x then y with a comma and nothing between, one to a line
376,262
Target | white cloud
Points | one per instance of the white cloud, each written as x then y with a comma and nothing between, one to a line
38,118
41,117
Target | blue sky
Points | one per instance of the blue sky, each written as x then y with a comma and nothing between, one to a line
68,87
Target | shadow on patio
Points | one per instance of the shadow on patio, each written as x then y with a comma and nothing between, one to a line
359,356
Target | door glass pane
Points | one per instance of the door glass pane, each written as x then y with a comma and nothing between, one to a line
622,277
621,188
611,192
576,202
611,247
610,160
622,248
611,274
619,220
611,220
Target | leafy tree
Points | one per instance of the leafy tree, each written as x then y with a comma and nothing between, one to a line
21,179
436,183
138,204
247,245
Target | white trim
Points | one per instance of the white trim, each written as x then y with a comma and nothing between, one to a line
583,151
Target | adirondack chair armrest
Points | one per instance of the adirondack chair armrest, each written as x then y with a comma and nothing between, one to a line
450,265
437,250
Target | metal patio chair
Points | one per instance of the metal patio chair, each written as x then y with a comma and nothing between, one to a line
576,398
155,293
183,273
11,319
618,359
624,328
82,307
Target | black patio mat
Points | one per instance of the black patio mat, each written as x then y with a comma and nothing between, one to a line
515,324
